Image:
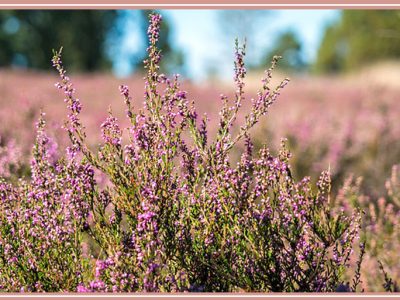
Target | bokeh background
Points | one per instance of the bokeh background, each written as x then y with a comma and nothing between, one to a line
340,111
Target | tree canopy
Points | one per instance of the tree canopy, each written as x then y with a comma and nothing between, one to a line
29,36
359,37
92,39
289,47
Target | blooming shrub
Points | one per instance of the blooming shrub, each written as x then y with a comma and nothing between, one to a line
380,230
41,222
177,214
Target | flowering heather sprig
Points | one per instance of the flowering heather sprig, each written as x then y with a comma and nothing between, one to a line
124,90
111,132
65,85
73,126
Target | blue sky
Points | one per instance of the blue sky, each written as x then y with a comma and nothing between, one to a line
198,34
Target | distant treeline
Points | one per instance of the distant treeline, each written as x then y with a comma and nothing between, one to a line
91,37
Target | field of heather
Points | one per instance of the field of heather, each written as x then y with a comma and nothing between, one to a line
347,124
146,184
342,123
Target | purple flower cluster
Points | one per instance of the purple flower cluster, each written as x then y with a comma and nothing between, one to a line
41,224
111,131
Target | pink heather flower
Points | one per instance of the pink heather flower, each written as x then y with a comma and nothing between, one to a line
82,289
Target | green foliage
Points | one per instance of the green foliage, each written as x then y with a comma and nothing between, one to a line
360,37
28,37
91,37
289,47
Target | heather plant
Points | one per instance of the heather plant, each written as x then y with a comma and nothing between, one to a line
380,230
41,223
175,213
